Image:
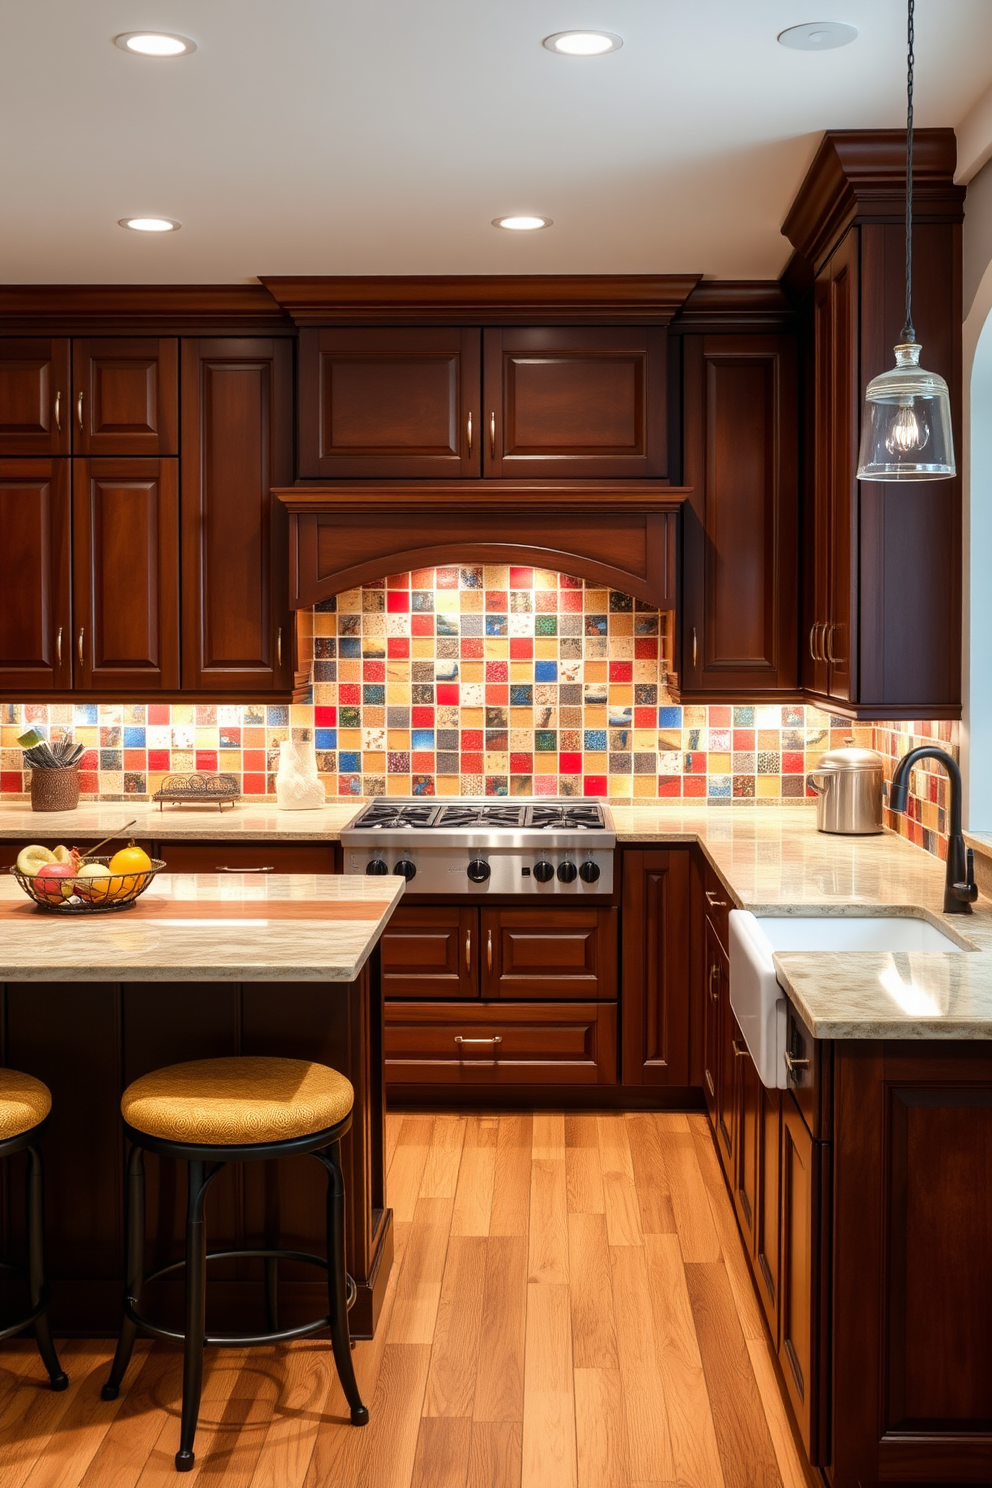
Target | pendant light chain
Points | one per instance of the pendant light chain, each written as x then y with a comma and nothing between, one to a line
908,332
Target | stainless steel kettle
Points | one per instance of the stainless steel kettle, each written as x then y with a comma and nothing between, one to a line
848,784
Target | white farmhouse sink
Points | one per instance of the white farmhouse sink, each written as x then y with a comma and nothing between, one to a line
755,995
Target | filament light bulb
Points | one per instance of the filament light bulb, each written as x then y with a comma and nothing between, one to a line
908,433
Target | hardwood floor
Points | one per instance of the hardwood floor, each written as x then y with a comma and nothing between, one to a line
570,1308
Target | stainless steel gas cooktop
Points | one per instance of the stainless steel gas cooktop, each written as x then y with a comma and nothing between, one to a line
486,847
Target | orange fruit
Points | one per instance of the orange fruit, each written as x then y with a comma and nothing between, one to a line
130,859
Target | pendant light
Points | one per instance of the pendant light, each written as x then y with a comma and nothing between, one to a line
906,431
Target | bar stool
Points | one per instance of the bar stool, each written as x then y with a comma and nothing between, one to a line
210,1112
24,1106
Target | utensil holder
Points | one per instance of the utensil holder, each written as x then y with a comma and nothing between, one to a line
55,790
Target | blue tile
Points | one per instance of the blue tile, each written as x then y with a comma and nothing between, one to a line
134,738
545,740
276,716
719,785
496,625
594,739
744,717
422,739
545,671
374,694
349,760
521,695
326,738
669,717
350,646
84,713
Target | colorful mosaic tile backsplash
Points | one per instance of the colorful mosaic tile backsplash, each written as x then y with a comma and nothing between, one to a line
472,681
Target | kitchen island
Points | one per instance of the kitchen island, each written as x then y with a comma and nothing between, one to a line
201,966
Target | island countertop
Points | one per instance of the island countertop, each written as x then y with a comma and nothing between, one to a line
204,927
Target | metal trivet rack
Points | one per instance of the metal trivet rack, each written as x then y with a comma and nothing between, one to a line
198,790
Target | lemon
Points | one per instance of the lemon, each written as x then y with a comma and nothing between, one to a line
90,883
30,859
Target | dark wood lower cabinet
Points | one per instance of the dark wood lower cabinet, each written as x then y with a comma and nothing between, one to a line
248,857
656,989
431,951
568,953
477,1045
804,1169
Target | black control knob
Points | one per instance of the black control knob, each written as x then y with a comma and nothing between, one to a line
588,871
377,867
478,870
567,871
406,868
544,871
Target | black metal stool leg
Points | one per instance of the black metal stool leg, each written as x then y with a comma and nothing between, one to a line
36,1269
272,1294
196,1268
135,1261
337,1286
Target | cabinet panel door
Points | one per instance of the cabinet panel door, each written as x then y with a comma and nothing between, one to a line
576,402
390,403
801,1280
740,535
237,443
568,953
818,503
713,991
126,396
502,1043
839,644
747,1088
767,1224
35,394
726,1105
431,952
35,576
655,991
126,574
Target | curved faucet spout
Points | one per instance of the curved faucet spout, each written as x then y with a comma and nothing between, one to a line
960,889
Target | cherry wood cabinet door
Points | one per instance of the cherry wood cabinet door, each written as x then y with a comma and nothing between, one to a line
125,396
125,561
726,1102
432,952
655,993
390,403
767,1219
35,396
740,534
576,402
35,577
549,953
802,1277
747,1119
237,630
714,992
841,624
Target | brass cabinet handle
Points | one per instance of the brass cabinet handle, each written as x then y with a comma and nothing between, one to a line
492,435
812,640
714,902
279,646
694,648
828,635
714,969
58,646
223,868
58,412
468,950
709,1081
470,433
496,1039
79,410
793,1064
79,644
489,950
740,1050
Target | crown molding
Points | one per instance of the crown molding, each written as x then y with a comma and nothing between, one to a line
197,309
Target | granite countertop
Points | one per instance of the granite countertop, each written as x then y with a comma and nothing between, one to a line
248,820
332,926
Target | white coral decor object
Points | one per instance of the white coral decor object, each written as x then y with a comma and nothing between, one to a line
298,786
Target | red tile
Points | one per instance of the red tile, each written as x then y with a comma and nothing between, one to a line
206,759
373,671
325,716
521,648
496,602
646,648
565,581
669,785
594,785
422,625
89,782
471,648
521,764
471,764
397,602
13,780
695,764
521,578
546,601
693,785
447,693
743,740
397,646
497,671
134,759
645,718
793,764
252,759
350,693
90,760
398,581
446,578
159,713
570,764
422,578
422,718
570,601
159,759
721,717
253,785
471,739
497,694
422,762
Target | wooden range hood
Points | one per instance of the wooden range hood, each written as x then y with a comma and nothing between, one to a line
623,535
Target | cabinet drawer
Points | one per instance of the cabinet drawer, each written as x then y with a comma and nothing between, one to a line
566,953
248,857
431,952
519,1044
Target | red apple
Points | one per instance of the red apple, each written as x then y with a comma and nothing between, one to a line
57,890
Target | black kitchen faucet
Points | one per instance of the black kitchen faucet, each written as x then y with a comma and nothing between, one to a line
960,889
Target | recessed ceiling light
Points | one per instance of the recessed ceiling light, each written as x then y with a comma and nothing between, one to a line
150,224
522,224
155,43
583,43
818,36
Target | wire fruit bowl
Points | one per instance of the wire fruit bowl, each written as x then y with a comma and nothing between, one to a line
76,895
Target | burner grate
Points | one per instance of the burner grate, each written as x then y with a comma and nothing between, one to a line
481,816
383,815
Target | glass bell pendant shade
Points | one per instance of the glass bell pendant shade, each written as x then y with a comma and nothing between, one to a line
906,430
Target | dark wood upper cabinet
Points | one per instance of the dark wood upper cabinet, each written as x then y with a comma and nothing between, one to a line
237,400
125,396
125,555
655,986
740,540
403,402
35,396
35,576
576,402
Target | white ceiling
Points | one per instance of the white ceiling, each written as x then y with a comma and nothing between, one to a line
381,136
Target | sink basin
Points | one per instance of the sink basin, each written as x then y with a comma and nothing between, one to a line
755,994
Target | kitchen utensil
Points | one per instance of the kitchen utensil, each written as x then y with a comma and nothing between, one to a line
89,856
848,786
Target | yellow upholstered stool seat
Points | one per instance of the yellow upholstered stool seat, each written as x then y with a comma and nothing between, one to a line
24,1103
237,1101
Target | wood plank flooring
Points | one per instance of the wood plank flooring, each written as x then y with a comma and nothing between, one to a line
570,1308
